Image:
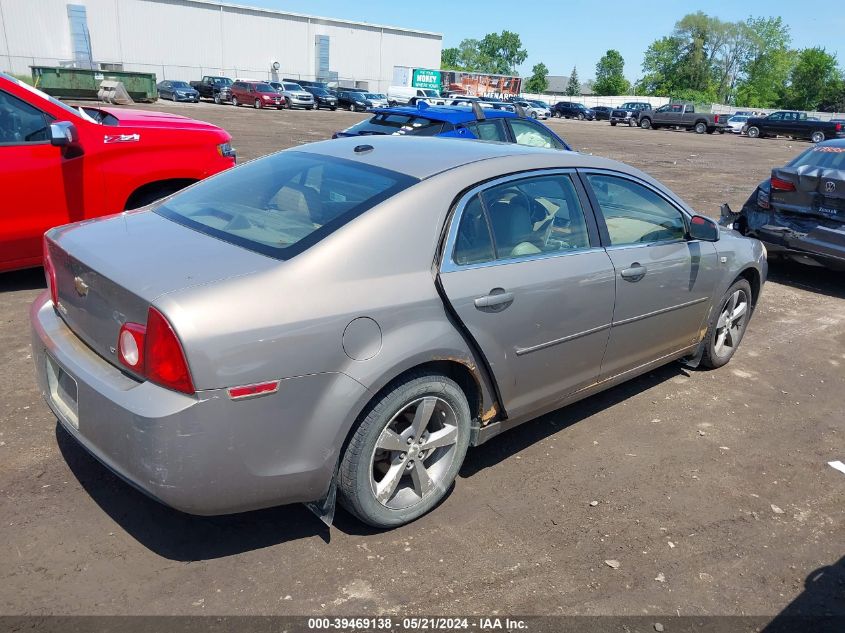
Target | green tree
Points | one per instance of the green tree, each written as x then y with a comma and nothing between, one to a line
538,82
813,79
573,88
504,52
660,64
610,77
767,65
450,59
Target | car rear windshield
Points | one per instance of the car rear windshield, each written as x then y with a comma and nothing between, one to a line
283,204
824,156
398,124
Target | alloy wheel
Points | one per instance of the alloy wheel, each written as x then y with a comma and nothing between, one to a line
731,324
414,452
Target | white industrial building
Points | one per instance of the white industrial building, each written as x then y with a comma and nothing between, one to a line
185,39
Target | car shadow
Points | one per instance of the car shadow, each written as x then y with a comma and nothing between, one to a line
814,279
819,608
178,536
183,537
29,279
515,440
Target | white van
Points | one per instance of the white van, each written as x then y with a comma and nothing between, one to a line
407,95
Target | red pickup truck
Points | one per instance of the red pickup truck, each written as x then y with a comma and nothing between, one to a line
60,164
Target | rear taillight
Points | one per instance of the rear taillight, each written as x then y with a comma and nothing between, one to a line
838,127
154,351
716,119
781,185
50,273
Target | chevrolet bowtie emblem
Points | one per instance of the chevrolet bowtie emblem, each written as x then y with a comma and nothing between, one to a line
81,286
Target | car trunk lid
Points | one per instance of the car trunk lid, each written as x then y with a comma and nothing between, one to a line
818,191
113,271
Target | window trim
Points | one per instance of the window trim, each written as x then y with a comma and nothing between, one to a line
447,262
599,216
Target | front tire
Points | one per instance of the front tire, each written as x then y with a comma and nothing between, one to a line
753,132
727,325
257,104
405,454
352,108
235,102
217,99
631,122
645,124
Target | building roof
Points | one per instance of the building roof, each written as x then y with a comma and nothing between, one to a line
315,18
559,83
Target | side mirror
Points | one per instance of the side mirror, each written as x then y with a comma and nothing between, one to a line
704,229
63,133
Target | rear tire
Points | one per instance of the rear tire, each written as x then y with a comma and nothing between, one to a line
727,325
387,477
817,137
613,123
753,132
700,127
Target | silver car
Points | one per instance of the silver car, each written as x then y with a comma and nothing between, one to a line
348,317
296,96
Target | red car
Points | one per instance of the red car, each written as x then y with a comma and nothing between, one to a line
60,164
256,94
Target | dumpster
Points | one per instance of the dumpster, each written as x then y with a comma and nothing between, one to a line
82,83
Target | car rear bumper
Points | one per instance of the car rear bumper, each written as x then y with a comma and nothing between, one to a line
202,454
807,239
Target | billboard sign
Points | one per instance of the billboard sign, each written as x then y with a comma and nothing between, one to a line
423,78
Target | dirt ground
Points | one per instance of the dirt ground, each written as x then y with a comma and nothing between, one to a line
713,488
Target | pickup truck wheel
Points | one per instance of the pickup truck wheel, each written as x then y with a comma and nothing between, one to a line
753,132
700,127
817,137
727,325
613,123
631,122
257,104
711,130
645,124
333,108
351,107
404,455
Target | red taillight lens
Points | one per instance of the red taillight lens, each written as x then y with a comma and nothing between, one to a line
838,127
154,351
781,185
164,359
50,273
130,346
716,119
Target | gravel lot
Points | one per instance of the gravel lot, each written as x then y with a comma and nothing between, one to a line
715,483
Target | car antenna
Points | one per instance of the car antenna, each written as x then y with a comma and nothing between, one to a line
478,111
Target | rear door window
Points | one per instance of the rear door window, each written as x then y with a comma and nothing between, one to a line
283,204
528,133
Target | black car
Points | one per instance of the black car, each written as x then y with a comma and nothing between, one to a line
629,113
177,91
602,112
322,97
571,110
793,124
352,100
799,213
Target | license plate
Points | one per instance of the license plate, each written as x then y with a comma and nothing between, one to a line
63,392
830,212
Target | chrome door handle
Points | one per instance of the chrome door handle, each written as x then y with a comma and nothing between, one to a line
497,299
634,273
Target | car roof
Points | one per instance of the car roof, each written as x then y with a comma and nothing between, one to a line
422,157
450,114
836,142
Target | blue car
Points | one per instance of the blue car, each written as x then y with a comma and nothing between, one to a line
475,122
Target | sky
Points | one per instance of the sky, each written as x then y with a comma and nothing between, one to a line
573,32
